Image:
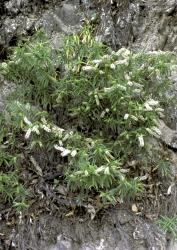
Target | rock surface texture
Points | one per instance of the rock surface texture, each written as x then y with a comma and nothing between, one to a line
138,24
117,229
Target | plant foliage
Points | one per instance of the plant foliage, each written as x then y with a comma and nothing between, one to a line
94,107
169,225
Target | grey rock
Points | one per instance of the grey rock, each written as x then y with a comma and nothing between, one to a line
147,25
115,28
168,136
141,25
6,88
104,234
138,24
171,118
14,6
157,26
21,17
57,20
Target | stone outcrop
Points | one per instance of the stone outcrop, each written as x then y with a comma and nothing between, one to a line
138,24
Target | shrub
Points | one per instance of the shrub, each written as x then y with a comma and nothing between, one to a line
103,105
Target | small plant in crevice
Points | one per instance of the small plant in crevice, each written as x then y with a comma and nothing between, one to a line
164,168
168,225
102,109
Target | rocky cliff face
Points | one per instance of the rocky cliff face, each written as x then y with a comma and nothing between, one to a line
147,25
138,24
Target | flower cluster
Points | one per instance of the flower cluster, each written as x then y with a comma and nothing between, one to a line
53,129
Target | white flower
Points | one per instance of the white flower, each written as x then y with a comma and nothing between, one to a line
121,87
159,52
46,128
113,53
59,148
18,104
134,118
65,152
102,114
108,89
43,120
123,52
129,83
150,68
127,77
122,62
112,66
97,100
150,131
100,169
159,110
106,171
27,121
86,173
28,133
4,65
141,118
106,57
156,130
88,68
57,130
97,61
152,102
77,173
137,85
148,107
73,153
109,154
126,116
141,141
101,72
35,129
27,106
